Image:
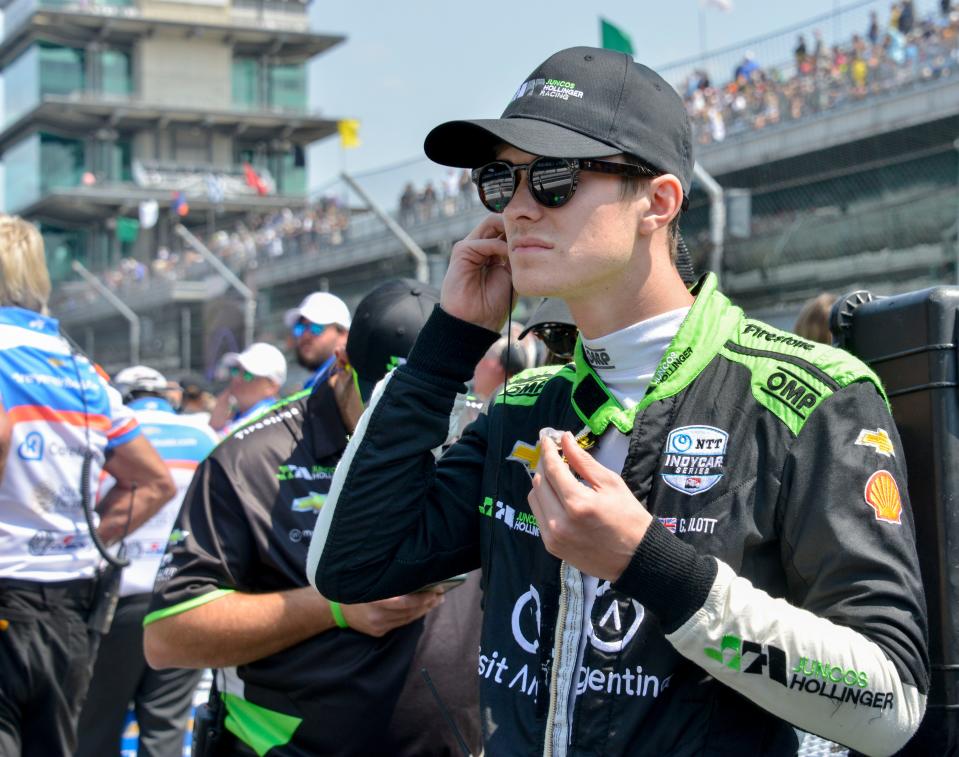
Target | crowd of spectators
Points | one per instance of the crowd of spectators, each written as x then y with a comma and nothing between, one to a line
307,231
820,77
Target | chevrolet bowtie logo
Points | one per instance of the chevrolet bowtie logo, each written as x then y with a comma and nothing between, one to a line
879,440
528,455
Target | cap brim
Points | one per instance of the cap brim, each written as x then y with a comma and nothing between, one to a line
549,310
470,144
291,316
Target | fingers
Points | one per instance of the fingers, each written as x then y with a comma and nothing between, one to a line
554,470
490,227
582,463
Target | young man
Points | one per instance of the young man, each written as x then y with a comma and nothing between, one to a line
301,675
718,547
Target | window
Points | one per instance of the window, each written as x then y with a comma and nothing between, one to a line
62,69
22,88
288,87
246,82
115,73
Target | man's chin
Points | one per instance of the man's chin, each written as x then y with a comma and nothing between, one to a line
538,283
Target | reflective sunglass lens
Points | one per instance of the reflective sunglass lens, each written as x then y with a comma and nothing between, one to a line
551,181
495,185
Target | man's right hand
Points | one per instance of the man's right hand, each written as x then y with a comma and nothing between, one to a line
478,286
379,618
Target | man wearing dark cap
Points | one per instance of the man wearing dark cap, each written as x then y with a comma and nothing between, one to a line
297,674
695,539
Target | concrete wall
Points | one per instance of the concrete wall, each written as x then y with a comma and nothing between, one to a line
184,72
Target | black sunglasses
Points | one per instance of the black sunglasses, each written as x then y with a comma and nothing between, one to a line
551,181
559,338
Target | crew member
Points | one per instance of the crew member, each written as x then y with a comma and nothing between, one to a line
301,675
60,424
696,537
161,699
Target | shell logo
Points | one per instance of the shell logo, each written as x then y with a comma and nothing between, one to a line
882,495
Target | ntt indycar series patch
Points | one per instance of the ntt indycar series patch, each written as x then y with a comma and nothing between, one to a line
693,458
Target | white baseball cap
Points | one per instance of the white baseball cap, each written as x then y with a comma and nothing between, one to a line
260,359
140,378
320,307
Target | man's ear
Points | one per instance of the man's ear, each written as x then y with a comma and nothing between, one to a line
665,199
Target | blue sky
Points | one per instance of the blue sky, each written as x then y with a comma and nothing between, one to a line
408,66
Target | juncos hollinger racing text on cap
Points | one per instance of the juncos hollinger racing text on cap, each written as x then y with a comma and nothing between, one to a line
583,102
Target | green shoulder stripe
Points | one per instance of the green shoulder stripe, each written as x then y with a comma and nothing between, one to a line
791,376
167,612
525,387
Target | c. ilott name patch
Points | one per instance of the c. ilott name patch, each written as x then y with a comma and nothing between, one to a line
694,457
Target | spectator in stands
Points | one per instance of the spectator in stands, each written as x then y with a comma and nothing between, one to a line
427,202
945,7
318,328
873,31
301,675
800,52
813,320
256,376
907,17
161,699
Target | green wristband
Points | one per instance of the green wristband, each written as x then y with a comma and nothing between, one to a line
337,612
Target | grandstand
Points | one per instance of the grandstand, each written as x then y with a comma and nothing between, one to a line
839,165
124,118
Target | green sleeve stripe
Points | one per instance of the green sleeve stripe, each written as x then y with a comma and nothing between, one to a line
167,612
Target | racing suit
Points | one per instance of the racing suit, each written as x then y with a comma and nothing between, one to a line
778,583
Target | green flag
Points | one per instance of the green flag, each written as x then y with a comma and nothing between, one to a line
614,38
127,229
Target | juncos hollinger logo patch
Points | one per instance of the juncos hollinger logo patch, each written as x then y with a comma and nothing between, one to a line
558,88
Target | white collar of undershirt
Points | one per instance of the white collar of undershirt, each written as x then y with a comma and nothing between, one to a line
625,360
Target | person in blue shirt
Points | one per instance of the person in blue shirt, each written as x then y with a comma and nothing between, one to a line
318,327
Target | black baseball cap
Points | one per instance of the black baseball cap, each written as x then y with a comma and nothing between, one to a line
385,326
548,310
583,102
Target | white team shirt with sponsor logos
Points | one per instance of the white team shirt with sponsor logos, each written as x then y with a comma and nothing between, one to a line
43,532
183,441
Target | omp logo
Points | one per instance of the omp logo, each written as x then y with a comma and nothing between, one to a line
598,358
749,657
787,387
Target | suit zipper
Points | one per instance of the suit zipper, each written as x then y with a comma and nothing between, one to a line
557,660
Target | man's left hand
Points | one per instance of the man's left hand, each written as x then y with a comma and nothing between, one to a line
594,524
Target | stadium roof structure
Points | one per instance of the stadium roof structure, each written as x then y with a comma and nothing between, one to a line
79,24
76,207
87,112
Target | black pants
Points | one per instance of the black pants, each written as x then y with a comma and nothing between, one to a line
46,659
161,698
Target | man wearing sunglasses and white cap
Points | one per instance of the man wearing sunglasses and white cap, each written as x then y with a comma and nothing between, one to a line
694,539
318,327
256,377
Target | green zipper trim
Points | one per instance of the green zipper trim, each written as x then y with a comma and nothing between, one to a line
711,320
189,604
